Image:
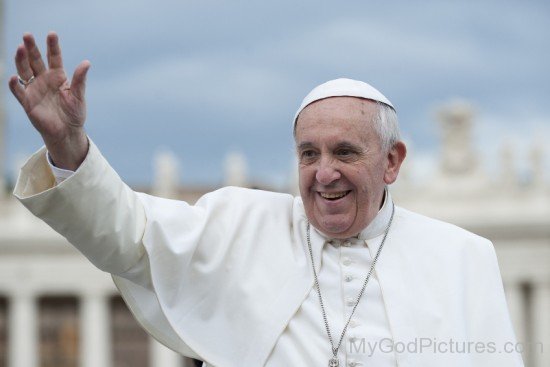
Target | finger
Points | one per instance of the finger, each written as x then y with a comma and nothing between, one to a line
78,83
16,89
55,61
35,59
22,63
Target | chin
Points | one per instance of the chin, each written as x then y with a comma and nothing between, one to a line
336,230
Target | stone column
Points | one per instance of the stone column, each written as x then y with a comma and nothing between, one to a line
95,341
163,356
540,348
235,170
23,328
166,181
516,305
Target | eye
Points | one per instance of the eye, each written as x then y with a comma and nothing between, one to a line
307,154
344,152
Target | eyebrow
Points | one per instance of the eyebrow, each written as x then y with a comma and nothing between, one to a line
343,144
347,145
304,145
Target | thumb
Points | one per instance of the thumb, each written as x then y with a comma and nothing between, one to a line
78,83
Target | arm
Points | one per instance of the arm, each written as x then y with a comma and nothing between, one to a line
105,220
100,215
93,209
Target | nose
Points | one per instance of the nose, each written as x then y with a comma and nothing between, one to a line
327,173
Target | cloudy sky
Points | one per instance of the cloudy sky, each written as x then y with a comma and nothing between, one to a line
204,78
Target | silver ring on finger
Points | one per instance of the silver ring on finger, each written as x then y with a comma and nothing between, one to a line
24,82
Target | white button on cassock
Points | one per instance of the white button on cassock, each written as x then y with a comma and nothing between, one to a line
353,323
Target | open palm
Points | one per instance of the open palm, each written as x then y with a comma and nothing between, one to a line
55,106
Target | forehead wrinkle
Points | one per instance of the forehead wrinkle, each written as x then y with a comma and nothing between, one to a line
356,120
355,107
348,100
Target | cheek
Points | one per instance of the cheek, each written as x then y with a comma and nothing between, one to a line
305,175
304,183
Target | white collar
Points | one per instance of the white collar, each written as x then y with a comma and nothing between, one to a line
378,225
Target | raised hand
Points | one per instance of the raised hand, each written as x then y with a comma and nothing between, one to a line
55,106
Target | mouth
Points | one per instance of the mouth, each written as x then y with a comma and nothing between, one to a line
333,196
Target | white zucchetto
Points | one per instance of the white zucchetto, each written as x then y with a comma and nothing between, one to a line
339,88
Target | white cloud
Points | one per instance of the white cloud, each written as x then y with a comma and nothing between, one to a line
244,90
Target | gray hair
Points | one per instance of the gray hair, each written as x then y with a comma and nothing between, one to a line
386,125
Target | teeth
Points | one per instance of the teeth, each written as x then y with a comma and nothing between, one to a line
335,195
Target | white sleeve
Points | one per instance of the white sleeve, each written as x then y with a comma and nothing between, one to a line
60,174
93,209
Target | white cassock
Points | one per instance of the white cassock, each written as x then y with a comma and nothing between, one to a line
228,280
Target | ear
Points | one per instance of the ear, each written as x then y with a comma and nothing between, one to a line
395,157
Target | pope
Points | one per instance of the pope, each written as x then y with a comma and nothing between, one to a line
338,276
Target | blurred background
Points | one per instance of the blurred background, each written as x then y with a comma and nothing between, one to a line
187,96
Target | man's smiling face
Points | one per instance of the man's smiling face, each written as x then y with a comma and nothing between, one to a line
343,170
